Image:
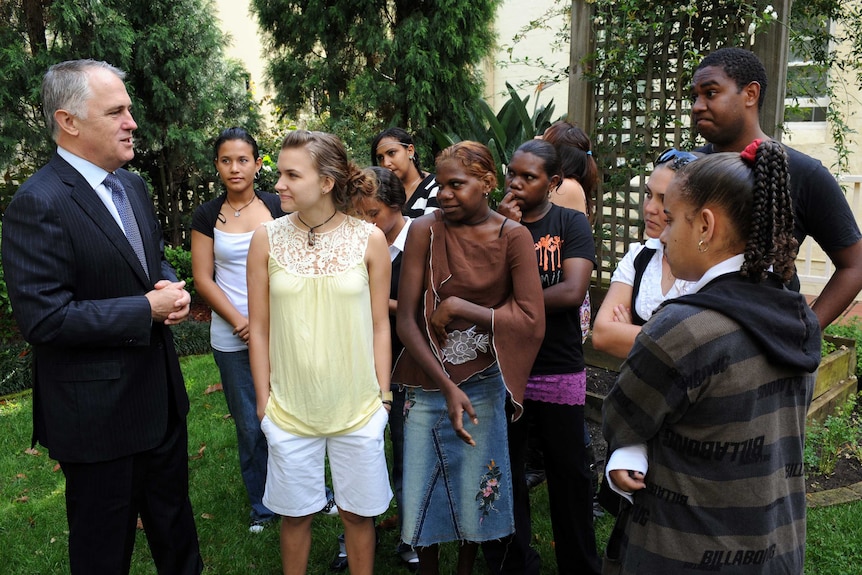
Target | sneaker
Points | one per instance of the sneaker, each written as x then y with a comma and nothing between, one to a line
534,478
257,525
408,556
339,562
330,508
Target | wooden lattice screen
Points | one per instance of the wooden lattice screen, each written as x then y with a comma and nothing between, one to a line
635,98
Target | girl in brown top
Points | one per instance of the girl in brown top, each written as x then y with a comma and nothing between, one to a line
471,318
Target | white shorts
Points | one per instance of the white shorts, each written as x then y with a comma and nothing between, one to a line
295,475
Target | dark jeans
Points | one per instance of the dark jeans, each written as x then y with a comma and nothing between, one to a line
239,393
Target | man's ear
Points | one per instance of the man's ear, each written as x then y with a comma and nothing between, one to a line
66,122
752,94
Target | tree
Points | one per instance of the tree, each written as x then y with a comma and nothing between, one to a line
361,63
182,87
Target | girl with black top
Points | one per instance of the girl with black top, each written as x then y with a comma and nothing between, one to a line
221,233
394,150
556,389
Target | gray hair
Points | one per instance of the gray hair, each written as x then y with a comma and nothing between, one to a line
66,86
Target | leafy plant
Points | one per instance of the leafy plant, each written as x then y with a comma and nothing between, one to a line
502,132
192,337
851,329
8,331
839,435
15,367
181,260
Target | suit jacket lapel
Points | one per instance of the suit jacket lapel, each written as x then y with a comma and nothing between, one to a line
92,205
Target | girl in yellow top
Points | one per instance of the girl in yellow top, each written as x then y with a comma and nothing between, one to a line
320,350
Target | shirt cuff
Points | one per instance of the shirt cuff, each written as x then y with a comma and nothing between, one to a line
630,457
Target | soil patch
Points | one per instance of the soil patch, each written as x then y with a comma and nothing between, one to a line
848,471
199,311
600,380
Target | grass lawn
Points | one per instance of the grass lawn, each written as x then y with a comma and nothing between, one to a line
33,535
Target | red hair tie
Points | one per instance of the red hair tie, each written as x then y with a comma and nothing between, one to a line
750,151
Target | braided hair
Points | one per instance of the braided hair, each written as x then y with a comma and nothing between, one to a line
753,190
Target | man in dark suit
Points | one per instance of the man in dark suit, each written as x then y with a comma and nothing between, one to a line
93,294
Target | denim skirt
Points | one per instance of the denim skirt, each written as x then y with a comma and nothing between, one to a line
453,491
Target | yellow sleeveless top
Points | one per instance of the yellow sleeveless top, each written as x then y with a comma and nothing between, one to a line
321,337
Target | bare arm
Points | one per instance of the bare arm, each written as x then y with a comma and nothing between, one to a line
257,274
843,286
379,273
203,269
611,336
572,288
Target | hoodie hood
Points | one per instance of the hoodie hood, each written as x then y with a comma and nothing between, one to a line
779,319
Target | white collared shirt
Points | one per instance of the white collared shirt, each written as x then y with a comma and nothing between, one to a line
95,176
398,245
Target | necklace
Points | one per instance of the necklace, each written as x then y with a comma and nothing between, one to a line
237,211
312,228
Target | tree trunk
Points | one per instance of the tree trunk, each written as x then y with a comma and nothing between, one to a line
34,19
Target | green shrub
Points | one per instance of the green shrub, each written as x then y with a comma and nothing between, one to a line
502,132
851,329
15,367
8,331
192,337
838,436
181,260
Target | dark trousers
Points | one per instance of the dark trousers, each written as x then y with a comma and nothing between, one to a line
560,434
104,499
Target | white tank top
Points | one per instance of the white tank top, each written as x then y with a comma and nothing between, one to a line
230,252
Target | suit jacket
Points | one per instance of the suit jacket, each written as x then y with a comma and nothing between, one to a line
106,377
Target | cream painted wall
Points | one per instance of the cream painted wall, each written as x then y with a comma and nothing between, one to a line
241,25
816,139
511,17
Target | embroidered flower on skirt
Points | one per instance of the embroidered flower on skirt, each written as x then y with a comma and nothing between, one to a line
461,346
489,490
408,403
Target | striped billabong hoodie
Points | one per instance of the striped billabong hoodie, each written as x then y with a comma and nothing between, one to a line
717,386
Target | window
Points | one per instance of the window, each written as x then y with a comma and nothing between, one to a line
806,99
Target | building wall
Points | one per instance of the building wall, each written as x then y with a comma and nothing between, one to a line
512,16
238,22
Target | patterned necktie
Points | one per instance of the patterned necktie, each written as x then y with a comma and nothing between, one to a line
124,208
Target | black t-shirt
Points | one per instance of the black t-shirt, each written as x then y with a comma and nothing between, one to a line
820,209
560,235
205,216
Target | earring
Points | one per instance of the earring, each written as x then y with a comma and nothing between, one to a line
411,158
257,175
701,247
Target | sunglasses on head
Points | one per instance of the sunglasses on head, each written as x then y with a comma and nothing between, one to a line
676,158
